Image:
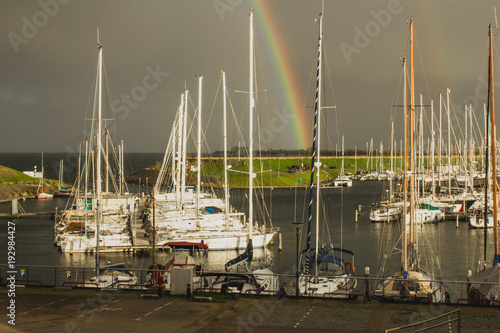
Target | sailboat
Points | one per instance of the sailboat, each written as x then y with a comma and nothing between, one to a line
478,288
323,270
63,191
413,282
42,194
97,219
248,279
343,180
189,218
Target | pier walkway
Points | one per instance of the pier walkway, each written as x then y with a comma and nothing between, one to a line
76,310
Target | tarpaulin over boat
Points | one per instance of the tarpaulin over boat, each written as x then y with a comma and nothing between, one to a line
245,256
480,290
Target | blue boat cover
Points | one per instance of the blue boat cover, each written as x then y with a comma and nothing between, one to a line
245,256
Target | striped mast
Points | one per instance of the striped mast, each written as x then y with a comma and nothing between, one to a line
315,153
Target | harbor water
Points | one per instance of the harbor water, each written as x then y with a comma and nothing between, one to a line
457,248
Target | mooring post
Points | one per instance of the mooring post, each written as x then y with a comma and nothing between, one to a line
14,209
367,283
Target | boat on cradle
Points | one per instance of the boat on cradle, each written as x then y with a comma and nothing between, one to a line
114,276
482,284
323,270
414,282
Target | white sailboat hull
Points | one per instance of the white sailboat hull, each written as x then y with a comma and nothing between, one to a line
223,240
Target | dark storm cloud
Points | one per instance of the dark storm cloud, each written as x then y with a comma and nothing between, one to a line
152,49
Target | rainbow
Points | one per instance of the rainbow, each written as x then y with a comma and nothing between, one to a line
292,92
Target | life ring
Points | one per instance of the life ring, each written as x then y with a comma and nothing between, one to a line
349,266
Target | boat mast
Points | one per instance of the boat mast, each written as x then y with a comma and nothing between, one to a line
412,140
179,153
98,151
198,148
392,162
440,141
432,151
491,83
184,151
226,188
41,183
318,106
405,195
449,139
250,114
466,143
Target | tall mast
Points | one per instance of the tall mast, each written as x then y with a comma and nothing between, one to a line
318,161
440,139
184,151
250,113
98,152
392,162
198,148
41,183
432,151
491,84
174,151
315,150
412,140
449,138
226,189
466,143
405,196
107,163
179,153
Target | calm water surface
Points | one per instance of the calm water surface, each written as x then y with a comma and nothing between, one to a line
457,249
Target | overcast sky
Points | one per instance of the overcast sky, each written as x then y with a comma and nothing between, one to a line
153,48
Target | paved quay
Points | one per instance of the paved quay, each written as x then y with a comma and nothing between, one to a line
76,310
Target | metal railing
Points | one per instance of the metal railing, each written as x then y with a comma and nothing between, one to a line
447,322
66,276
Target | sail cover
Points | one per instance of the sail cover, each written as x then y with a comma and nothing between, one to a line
245,256
480,290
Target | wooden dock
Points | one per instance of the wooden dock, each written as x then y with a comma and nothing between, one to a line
26,215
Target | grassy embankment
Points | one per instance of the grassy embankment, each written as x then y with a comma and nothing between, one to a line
15,184
273,172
